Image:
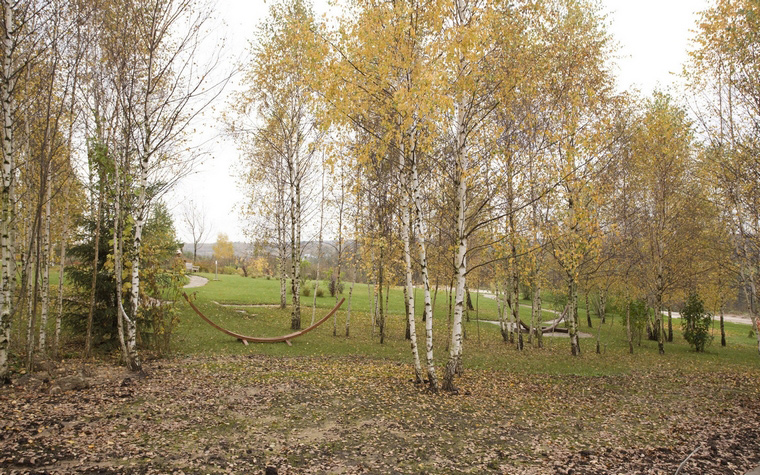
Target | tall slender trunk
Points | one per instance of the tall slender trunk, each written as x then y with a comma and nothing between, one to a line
281,259
588,312
516,299
460,262
409,287
509,300
659,324
722,327
379,295
61,277
532,328
501,312
31,263
95,262
572,295
319,248
407,330
598,339
350,295
515,271
424,271
295,253
6,196
750,289
118,258
753,309
450,311
34,299
536,273
628,326
539,316
133,359
670,326
45,266
340,251
658,321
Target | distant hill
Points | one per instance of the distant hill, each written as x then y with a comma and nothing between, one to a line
206,249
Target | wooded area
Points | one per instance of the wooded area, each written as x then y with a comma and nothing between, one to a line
444,160
439,144
485,145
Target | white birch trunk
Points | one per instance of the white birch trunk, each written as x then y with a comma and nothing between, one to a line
572,314
282,257
497,297
61,278
340,250
45,267
417,226
538,315
348,310
659,324
501,303
33,295
6,89
753,309
460,262
628,333
295,228
132,356
283,279
118,240
406,237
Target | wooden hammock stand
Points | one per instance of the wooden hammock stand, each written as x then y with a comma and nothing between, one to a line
274,339
553,328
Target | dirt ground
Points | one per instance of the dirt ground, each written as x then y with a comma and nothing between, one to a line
355,415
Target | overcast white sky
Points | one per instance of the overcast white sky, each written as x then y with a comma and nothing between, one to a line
653,36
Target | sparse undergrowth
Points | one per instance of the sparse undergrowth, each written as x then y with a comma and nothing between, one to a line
240,414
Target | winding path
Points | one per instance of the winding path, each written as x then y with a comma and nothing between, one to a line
196,281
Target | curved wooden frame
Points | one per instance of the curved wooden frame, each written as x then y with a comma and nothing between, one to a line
273,339
553,328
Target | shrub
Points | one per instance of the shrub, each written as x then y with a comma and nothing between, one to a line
305,289
695,323
639,317
320,292
334,287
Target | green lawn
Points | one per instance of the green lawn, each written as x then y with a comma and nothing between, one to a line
483,348
337,404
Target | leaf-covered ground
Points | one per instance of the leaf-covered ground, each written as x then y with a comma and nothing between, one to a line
242,414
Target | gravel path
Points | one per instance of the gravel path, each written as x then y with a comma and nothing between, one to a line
727,317
196,281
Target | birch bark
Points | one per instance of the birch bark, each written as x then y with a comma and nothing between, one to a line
460,261
409,289
428,318
45,266
6,95
295,253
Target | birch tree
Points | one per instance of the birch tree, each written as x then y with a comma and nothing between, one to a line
663,158
17,28
277,93
195,222
174,85
724,82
